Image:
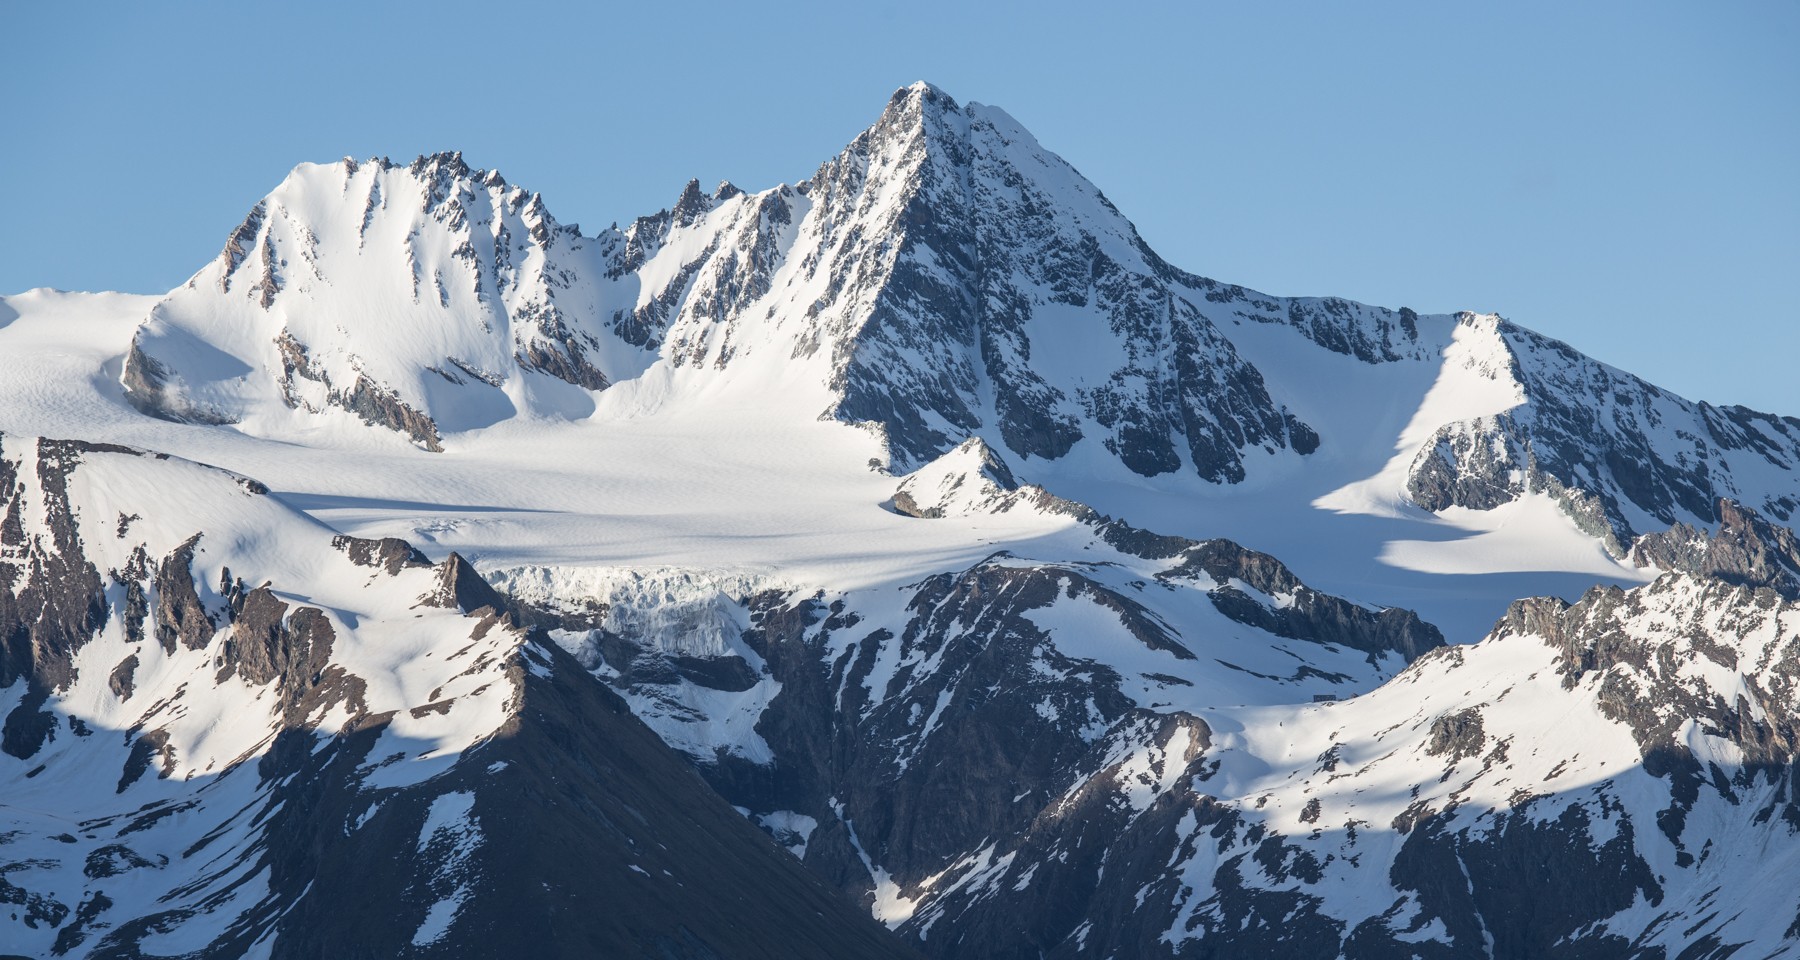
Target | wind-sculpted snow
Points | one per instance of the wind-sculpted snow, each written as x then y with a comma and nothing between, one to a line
944,276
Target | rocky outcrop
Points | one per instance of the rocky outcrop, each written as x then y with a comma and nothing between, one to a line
969,479
973,479
148,387
573,799
893,753
375,404
181,620
1302,612
52,600
266,643
388,554
1746,549
460,587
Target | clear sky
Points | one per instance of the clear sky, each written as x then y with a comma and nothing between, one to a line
1624,176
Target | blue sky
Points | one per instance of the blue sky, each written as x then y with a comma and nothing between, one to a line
1624,176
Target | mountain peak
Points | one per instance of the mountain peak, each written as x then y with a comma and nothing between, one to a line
691,205
920,110
449,161
925,92
417,297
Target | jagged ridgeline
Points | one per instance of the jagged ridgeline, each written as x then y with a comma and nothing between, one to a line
905,561
945,276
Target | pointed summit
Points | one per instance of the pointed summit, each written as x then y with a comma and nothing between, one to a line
691,205
920,96
1000,249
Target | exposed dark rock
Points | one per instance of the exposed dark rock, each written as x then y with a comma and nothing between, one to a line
374,403
36,908
564,361
181,619
1310,615
145,748
575,792
147,387
1525,888
380,406
52,599
237,246
266,644
1457,735
1370,334
460,587
121,679
951,315
1596,439
116,858
71,936
1746,550
28,726
389,554
1641,682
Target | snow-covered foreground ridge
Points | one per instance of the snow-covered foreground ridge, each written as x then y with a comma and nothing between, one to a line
229,732
1024,594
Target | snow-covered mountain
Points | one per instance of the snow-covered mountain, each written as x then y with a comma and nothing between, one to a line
423,298
944,277
1021,592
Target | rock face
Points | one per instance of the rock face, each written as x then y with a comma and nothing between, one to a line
1010,271
1246,586
1423,815
943,276
248,771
